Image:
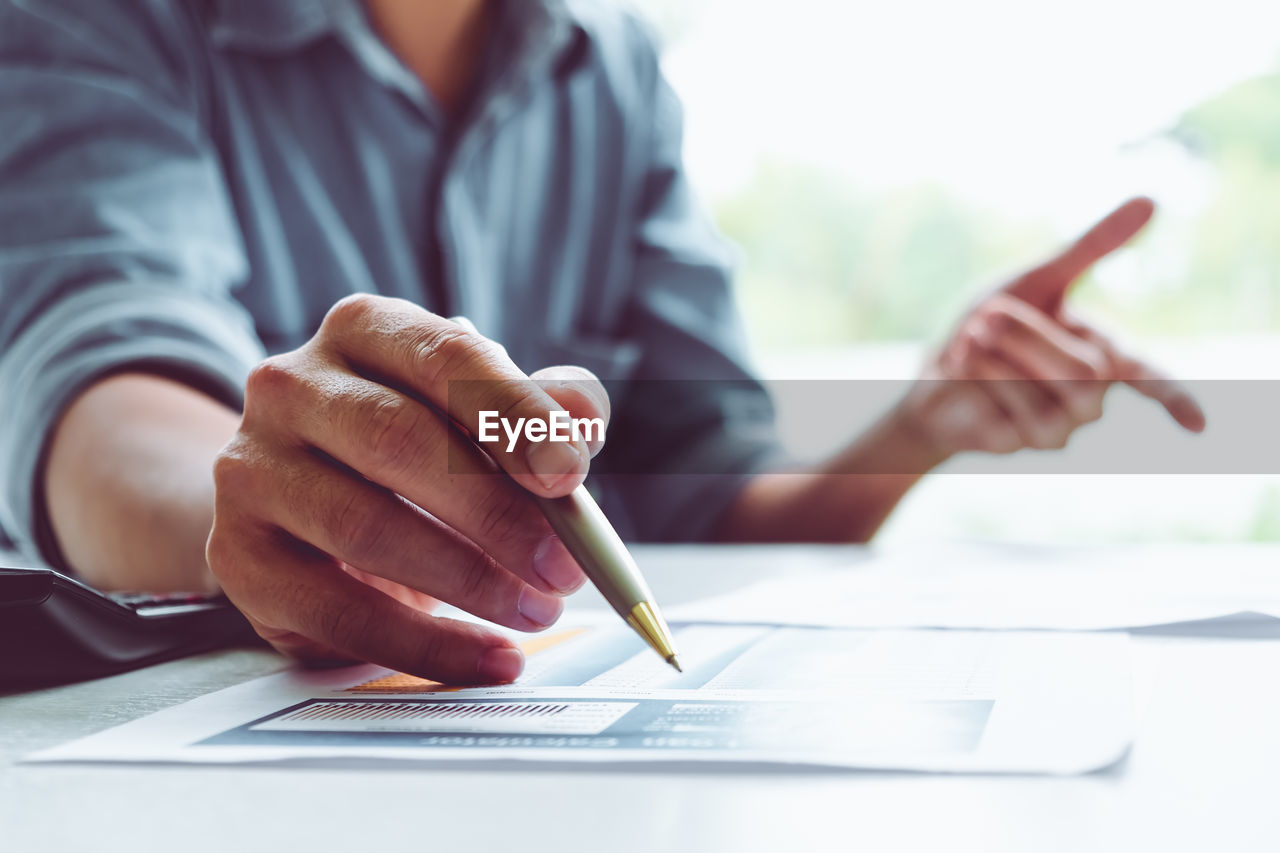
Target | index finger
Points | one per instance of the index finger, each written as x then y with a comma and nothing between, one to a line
1110,233
464,375
1046,285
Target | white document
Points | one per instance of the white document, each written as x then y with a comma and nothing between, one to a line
949,701
1007,587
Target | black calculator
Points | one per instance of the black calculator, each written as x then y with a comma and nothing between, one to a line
55,629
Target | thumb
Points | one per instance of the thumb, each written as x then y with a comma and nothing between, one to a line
581,394
1045,287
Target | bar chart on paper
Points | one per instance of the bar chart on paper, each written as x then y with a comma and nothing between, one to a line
894,699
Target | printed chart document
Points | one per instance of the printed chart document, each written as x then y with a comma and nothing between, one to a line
996,587
892,699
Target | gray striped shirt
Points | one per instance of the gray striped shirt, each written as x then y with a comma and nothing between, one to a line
187,187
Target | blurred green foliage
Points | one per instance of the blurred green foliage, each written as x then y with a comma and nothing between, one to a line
1232,282
1240,124
826,262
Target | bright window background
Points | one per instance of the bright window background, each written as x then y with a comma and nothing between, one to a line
883,164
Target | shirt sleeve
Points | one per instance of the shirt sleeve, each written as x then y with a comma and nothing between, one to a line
118,248
693,423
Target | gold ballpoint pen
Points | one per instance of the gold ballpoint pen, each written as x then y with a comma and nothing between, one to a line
600,551
591,539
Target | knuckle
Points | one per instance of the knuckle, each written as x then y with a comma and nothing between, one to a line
959,412
232,556
394,431
986,309
997,309
234,473
358,530
1002,301
975,326
272,377
346,623
220,554
434,653
443,349
350,311
501,518
1086,369
477,578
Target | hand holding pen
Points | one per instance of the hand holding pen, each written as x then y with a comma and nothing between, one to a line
347,503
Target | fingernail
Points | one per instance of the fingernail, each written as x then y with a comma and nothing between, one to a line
501,663
555,565
538,607
552,461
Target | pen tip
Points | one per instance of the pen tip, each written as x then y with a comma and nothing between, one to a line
674,662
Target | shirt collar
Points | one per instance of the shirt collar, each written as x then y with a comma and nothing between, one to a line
531,34
275,26
281,26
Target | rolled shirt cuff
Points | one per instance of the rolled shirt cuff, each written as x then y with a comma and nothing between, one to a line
103,329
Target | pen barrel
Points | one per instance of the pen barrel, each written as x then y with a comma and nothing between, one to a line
590,538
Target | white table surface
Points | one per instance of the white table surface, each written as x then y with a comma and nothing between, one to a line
1204,773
